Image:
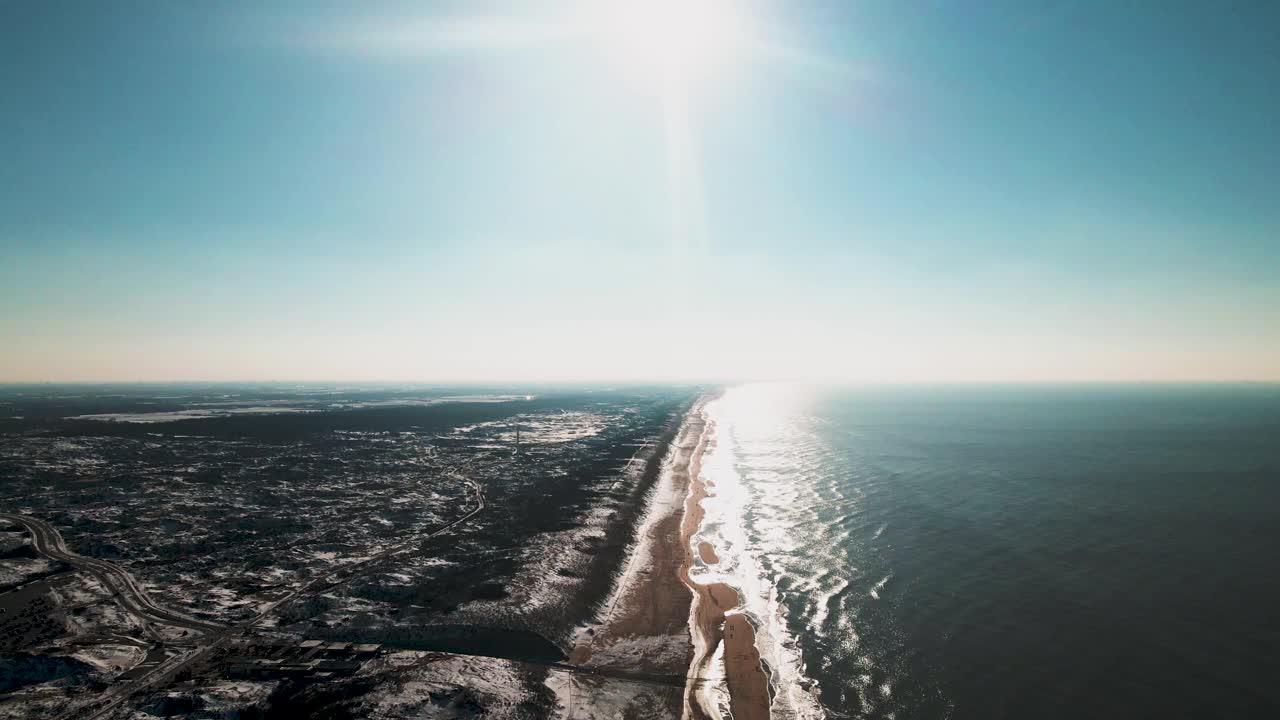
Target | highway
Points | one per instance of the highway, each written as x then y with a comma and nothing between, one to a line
47,541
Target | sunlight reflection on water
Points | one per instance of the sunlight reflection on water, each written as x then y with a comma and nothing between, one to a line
759,428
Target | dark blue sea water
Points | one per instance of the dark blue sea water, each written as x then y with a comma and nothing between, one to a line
1006,552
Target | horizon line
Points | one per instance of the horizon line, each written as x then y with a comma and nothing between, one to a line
649,381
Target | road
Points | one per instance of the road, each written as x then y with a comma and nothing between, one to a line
47,541
349,572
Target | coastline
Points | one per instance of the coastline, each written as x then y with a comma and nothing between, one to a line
718,630
661,622
644,628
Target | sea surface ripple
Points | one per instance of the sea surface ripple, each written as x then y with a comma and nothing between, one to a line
987,552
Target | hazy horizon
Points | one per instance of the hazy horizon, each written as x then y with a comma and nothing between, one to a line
535,384
559,191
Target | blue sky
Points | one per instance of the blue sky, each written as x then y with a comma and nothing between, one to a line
448,191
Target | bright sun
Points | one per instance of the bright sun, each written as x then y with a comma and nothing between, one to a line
671,46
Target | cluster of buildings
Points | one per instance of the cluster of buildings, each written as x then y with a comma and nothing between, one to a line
312,659
26,617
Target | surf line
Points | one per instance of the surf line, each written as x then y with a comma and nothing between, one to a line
720,631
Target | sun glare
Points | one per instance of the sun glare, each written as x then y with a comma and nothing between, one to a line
669,45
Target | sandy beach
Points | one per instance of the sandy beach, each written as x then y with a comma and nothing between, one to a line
708,553
662,622
713,620
645,628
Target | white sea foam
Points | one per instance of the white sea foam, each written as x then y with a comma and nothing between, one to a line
741,563
875,591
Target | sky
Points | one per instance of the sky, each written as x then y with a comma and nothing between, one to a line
872,191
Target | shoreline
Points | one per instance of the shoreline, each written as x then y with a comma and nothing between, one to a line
662,622
718,629
644,627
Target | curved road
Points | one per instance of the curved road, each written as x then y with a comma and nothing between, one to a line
47,541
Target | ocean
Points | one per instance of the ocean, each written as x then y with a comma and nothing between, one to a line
1004,551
